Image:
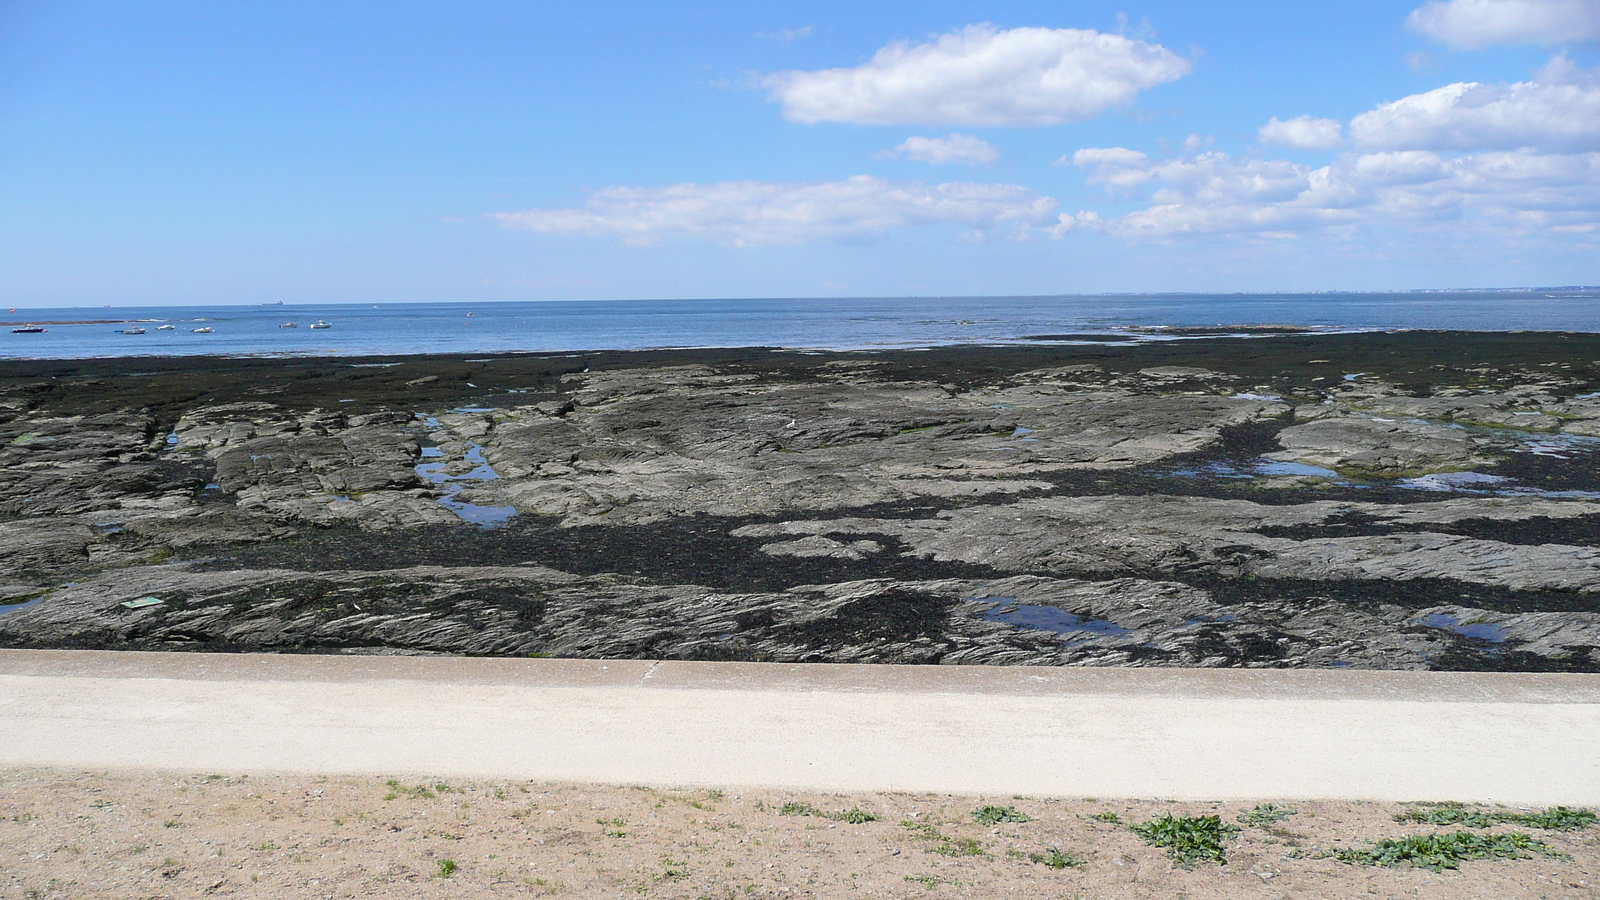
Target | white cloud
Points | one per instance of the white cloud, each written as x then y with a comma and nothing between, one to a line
1473,116
979,76
1215,193
1302,133
956,148
1470,24
754,213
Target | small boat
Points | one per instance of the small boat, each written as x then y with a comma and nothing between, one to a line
28,329
134,330
204,329
166,327
320,324
290,325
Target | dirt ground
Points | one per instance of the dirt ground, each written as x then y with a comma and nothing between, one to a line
149,834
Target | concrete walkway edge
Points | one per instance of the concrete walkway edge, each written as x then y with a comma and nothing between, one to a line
1183,734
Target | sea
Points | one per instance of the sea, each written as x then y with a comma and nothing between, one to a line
384,329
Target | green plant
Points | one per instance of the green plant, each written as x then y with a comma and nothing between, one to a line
447,867
1265,814
1106,816
928,881
994,815
1189,839
1055,859
1555,818
943,844
1446,851
855,815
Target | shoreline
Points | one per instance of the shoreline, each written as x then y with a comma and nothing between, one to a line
1405,500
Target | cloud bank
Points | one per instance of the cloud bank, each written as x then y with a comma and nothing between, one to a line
1472,24
757,213
982,77
956,148
1217,193
1302,133
1473,116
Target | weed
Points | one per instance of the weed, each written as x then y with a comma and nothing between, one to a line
1055,859
994,815
929,881
612,827
1189,839
1555,818
855,815
420,792
1446,851
1265,814
171,823
447,867
671,869
944,844
1108,816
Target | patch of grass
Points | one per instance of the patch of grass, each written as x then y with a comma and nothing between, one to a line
855,815
671,868
1446,851
420,792
612,827
929,881
943,844
1190,839
1555,818
1108,816
994,815
1263,814
1055,859
447,867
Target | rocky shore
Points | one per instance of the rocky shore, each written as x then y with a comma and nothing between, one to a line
1408,500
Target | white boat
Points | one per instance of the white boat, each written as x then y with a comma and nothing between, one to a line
320,324
166,327
204,329
289,325
134,330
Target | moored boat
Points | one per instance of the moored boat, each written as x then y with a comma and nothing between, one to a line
204,329
28,329
320,324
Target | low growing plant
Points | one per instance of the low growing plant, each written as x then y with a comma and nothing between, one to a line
994,815
1446,851
1265,814
1190,839
1055,859
1555,818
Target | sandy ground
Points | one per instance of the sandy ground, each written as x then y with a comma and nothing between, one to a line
151,834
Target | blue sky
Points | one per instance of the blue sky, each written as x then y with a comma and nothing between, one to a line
156,153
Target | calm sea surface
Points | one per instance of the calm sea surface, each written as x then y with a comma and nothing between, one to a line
841,324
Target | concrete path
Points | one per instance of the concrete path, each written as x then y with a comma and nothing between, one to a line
1186,734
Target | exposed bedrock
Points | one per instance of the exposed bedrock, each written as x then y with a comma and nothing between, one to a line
1023,620
1173,535
638,446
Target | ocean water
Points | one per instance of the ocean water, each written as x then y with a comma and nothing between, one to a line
821,323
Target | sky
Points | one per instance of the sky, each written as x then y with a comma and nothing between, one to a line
158,152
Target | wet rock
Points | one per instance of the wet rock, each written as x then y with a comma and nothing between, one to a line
1386,448
641,446
1171,535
